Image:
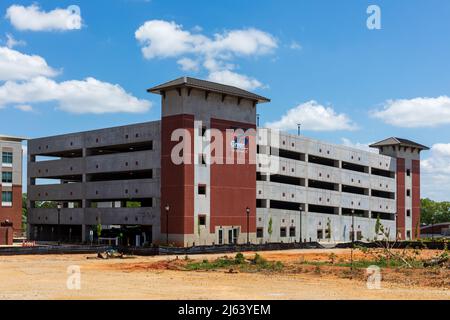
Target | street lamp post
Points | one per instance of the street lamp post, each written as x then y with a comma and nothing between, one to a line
353,238
59,206
167,208
247,210
432,228
300,220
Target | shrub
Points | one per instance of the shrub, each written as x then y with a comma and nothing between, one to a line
239,258
258,260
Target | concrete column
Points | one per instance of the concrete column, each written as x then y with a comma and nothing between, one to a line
84,233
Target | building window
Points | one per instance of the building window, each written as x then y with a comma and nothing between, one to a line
359,235
7,177
259,232
203,131
202,220
319,234
7,196
220,236
292,232
283,232
408,234
408,172
202,159
7,157
408,213
202,189
408,192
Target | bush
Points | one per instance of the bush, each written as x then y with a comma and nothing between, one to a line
258,260
239,258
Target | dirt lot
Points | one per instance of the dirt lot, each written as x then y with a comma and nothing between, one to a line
45,277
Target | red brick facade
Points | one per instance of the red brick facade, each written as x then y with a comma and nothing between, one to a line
14,213
177,181
6,236
233,186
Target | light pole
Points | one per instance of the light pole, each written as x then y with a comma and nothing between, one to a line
353,238
167,208
432,228
300,220
59,206
247,210
298,128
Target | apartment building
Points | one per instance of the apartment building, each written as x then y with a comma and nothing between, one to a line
11,183
263,185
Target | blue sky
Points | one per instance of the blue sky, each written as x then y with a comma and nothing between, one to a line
316,60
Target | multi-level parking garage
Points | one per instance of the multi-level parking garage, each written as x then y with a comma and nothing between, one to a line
108,176
298,189
327,184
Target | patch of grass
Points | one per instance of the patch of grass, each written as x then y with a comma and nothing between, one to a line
219,263
257,263
363,264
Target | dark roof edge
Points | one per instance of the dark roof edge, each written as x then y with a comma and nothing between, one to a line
213,87
394,141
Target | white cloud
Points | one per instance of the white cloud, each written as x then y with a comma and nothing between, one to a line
164,39
24,107
295,46
234,79
435,173
313,116
74,96
27,82
187,64
197,29
358,145
439,161
415,113
32,18
11,42
15,65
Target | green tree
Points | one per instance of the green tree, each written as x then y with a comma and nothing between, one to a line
133,204
270,228
434,212
24,212
377,226
99,230
46,204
